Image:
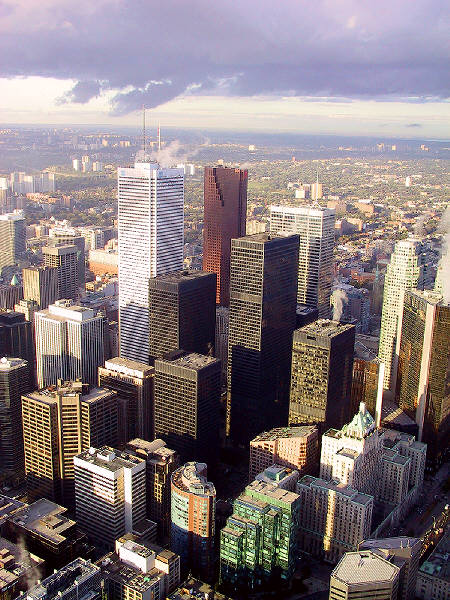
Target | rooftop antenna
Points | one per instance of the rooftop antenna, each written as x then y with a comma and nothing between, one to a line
144,138
159,137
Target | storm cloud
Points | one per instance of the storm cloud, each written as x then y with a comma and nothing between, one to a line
151,51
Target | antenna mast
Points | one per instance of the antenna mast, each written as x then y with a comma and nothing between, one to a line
159,137
144,138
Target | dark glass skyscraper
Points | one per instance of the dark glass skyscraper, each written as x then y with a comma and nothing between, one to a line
263,292
187,405
322,365
225,201
16,338
182,313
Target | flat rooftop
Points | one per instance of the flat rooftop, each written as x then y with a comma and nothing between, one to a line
109,458
339,488
267,489
9,364
364,567
194,361
325,328
127,366
44,518
180,276
285,432
262,237
191,477
50,395
438,563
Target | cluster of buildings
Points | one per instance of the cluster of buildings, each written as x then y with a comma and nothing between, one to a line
242,354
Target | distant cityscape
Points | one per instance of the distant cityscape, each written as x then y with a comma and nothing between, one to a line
224,366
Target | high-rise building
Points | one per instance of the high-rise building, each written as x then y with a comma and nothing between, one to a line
322,364
109,494
258,545
316,191
403,552
12,239
351,305
225,214
263,284
334,517
424,366
16,338
367,385
61,238
315,228
69,343
10,293
193,511
160,463
405,271
432,579
151,222
293,447
14,381
364,574
57,425
182,313
65,259
187,405
133,382
41,285
221,339
141,572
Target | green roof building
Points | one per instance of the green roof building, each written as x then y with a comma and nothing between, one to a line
258,545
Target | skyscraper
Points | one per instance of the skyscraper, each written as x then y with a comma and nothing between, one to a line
193,512
321,380
65,259
225,215
424,365
133,382
315,228
187,405
69,343
109,494
151,222
16,338
67,239
41,285
263,284
14,381
12,239
405,271
182,313
59,424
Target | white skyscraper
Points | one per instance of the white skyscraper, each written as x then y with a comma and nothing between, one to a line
151,236
405,271
315,226
69,343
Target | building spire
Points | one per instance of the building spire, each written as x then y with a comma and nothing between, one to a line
144,138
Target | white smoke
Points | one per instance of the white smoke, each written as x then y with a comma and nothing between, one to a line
339,299
175,152
32,575
419,229
444,263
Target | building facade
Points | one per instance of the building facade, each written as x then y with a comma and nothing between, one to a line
12,239
315,227
225,214
263,283
321,380
65,260
41,285
151,236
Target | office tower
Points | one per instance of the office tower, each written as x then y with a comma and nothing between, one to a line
424,366
14,381
160,463
221,339
258,545
65,259
225,215
45,530
41,285
19,569
315,228
322,364
109,494
80,579
151,222
10,293
432,578
60,238
316,191
334,518
405,271
16,338
140,572
187,405
294,447
182,313
12,239
57,425
367,385
263,283
351,305
364,574
133,382
69,343
193,509
404,553
27,308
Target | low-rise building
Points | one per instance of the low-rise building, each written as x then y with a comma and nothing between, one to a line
19,569
433,578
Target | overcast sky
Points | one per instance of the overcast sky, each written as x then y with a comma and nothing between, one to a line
377,67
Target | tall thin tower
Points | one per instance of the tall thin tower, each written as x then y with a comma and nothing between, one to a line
151,237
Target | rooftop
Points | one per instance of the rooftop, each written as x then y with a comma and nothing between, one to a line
262,237
44,518
312,210
109,458
325,328
194,589
339,488
194,361
69,389
285,432
364,567
438,563
180,276
274,493
9,364
128,367
191,477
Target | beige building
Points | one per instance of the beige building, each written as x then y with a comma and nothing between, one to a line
433,579
65,259
41,285
363,575
294,447
57,425
334,518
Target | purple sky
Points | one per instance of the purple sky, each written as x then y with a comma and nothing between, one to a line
151,51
